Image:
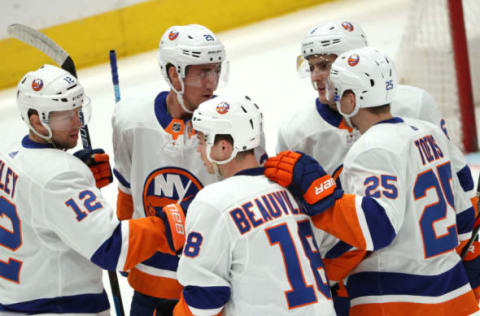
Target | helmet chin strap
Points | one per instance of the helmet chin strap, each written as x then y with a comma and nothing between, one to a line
348,116
180,97
216,163
48,138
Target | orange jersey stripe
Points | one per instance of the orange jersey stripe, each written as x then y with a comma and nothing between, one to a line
181,309
475,205
342,222
124,205
465,304
145,239
338,268
154,285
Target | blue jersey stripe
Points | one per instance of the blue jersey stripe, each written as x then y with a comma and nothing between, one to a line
339,249
120,178
381,230
107,254
465,221
388,283
465,178
209,297
84,303
162,260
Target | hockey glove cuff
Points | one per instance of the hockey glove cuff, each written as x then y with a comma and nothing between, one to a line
174,220
305,178
98,162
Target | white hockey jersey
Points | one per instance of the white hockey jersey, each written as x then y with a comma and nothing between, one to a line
323,134
57,232
404,164
157,163
250,251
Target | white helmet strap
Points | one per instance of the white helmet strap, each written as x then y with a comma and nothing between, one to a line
233,154
180,93
348,117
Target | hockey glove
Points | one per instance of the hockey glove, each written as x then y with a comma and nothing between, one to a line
305,178
98,162
174,220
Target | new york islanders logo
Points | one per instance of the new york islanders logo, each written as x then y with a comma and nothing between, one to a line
37,84
173,35
223,108
348,26
353,60
168,185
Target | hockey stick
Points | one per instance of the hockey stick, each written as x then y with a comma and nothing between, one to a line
44,44
477,228
113,67
117,296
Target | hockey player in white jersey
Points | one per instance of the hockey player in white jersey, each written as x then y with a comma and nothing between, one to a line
156,161
406,197
321,132
249,248
57,232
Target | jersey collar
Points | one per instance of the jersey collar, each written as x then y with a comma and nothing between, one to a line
173,126
251,172
393,120
330,116
28,143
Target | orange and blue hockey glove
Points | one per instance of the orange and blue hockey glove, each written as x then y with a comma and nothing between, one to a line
174,219
305,178
98,162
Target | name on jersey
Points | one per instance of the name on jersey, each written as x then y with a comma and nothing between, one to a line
428,149
263,209
8,179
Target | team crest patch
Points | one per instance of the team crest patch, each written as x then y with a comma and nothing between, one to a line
37,84
348,26
223,108
176,127
169,185
353,60
173,35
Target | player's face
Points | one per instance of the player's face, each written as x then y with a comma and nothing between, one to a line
320,66
200,83
202,149
65,126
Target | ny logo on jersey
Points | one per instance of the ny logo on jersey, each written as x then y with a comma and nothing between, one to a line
168,185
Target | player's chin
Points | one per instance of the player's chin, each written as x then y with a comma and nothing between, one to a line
72,141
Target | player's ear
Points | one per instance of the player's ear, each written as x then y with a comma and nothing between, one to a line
37,124
226,149
174,78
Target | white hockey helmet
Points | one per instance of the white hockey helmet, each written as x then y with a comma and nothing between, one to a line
334,37
185,45
50,89
370,74
238,117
